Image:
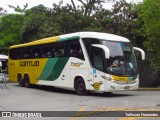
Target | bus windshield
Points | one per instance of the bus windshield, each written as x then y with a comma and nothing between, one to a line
122,59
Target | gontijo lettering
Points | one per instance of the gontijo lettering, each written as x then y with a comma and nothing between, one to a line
29,63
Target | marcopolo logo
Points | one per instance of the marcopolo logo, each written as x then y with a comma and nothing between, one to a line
29,63
76,64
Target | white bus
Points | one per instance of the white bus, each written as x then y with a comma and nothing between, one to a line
83,61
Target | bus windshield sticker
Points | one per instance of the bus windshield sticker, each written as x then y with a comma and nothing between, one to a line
94,71
122,44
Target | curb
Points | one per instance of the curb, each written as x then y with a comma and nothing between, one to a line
148,89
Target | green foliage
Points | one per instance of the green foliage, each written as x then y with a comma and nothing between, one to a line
2,11
9,29
39,21
124,17
18,9
34,19
149,13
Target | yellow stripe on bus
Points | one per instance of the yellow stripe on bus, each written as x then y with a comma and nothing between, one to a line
118,78
42,41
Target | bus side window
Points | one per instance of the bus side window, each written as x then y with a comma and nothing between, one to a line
12,54
36,52
57,53
15,53
88,45
74,52
46,51
26,53
18,54
59,50
75,49
31,52
97,58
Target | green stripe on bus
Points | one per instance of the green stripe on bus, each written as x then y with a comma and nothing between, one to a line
69,38
133,77
53,68
59,66
48,68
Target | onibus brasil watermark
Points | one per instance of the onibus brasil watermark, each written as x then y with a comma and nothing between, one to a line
21,114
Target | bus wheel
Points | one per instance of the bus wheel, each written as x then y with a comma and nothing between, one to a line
20,80
80,87
27,81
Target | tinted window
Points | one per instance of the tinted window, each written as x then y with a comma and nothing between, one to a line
88,44
47,50
97,58
75,50
26,53
70,48
59,49
15,53
37,52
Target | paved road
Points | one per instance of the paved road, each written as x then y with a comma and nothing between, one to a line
42,98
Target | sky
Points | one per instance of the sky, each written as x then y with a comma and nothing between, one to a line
47,3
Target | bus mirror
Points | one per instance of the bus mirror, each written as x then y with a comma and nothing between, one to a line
104,48
142,52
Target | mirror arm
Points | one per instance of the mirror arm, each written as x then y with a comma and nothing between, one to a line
106,49
142,52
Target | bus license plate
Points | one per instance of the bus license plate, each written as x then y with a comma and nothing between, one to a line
126,87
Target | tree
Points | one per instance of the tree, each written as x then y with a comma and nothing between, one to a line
2,11
34,19
18,9
149,13
67,20
9,29
89,7
124,17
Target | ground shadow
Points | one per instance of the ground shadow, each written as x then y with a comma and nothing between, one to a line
66,91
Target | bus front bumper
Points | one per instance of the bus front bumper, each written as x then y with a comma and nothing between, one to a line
113,86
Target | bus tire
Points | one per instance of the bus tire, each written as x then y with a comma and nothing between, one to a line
27,81
80,87
20,80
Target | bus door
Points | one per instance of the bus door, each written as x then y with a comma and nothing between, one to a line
97,59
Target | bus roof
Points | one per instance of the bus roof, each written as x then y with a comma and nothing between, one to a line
71,36
3,57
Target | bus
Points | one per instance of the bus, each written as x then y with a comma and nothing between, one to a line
82,61
3,63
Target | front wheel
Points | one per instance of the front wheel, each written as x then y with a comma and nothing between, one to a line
80,87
